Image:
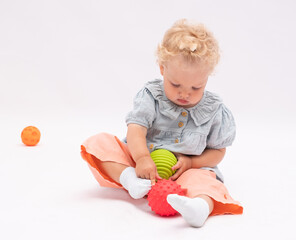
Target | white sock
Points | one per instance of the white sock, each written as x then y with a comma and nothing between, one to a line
195,211
137,187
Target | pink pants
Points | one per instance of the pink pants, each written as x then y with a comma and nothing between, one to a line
106,147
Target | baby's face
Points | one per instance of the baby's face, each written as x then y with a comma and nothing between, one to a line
184,83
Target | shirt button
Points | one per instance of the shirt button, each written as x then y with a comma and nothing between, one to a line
176,140
184,114
151,146
180,124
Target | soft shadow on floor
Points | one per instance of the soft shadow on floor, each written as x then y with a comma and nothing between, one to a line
121,195
116,194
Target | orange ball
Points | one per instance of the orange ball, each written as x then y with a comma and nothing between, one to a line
30,136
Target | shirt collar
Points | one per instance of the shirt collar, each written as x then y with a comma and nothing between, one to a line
200,113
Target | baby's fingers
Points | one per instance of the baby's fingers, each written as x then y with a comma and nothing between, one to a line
176,175
177,166
152,178
157,176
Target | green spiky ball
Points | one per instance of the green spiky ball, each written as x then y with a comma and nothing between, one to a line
164,161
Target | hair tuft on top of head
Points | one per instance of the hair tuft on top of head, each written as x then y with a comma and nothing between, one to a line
192,41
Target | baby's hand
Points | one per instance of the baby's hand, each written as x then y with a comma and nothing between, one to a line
183,164
146,168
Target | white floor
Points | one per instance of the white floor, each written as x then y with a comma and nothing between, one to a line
48,192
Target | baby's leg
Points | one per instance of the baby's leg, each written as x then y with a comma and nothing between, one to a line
195,210
99,149
112,169
126,176
208,200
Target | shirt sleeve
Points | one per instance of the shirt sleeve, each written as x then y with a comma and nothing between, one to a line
143,112
223,130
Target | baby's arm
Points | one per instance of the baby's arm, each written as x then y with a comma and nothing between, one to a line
209,158
136,142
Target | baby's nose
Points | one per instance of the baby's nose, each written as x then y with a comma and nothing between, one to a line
185,94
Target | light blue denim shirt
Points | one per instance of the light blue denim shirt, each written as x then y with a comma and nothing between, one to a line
209,124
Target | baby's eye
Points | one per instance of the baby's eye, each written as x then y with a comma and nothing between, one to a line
175,85
195,88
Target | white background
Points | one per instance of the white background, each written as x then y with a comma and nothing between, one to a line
72,68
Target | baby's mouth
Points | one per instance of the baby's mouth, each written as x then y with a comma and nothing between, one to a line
182,101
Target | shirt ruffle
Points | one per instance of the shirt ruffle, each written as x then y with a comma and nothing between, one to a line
200,113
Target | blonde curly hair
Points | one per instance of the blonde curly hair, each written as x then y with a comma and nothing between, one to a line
192,41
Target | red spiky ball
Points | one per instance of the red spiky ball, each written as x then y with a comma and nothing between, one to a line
158,195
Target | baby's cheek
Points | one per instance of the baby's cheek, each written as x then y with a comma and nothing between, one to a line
197,97
171,95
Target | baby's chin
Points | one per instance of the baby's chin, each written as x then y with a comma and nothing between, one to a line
188,105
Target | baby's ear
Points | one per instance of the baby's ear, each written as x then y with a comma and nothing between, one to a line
161,67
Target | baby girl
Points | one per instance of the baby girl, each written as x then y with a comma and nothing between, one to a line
174,113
